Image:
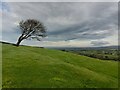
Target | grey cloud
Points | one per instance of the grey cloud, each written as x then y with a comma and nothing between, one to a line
67,21
99,43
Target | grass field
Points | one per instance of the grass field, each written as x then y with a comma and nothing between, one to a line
0,65
31,67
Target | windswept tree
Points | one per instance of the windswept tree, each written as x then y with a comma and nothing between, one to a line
31,29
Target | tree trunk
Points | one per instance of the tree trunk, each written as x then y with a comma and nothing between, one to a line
19,40
18,43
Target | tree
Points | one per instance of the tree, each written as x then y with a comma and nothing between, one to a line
32,29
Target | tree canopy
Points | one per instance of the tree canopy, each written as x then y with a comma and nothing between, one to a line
32,29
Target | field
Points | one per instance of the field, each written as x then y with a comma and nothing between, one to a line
0,65
32,67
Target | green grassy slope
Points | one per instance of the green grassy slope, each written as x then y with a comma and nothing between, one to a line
30,67
0,65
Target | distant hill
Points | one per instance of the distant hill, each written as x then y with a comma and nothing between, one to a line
31,67
73,48
86,48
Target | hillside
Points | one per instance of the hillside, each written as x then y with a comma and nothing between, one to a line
0,66
31,67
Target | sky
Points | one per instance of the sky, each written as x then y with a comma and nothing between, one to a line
68,24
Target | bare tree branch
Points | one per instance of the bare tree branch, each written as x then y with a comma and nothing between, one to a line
31,27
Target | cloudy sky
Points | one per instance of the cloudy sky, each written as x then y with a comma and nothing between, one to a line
69,24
